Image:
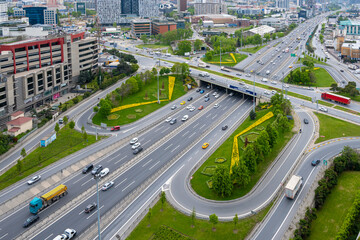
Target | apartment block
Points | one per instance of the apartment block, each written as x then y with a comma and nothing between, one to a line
3,12
36,72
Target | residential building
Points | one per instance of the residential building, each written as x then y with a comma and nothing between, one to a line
50,17
210,7
141,27
109,11
19,123
249,11
149,8
130,7
81,7
182,5
3,12
162,27
35,72
262,30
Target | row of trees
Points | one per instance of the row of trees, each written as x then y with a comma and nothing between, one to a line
124,56
349,160
349,89
254,153
175,35
304,77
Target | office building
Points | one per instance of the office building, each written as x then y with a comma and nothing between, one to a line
140,27
41,15
149,8
351,50
182,5
50,17
350,27
273,22
3,12
130,7
19,12
162,27
285,4
81,7
36,72
210,7
109,11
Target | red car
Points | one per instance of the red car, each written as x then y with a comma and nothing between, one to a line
115,128
201,107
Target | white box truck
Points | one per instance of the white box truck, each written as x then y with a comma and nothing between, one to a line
293,186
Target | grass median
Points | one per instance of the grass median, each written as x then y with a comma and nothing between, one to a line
68,141
152,46
171,224
347,110
331,127
252,49
226,59
331,216
198,181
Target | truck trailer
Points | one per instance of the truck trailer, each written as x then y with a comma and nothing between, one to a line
225,69
39,203
335,98
293,186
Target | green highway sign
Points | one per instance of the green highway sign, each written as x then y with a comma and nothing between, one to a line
293,55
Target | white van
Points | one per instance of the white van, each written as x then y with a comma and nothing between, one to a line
264,80
104,172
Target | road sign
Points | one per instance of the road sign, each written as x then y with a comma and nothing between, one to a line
293,55
325,162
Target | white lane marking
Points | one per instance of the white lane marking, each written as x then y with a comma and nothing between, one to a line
121,182
147,142
114,157
175,148
196,152
86,181
165,130
214,117
154,165
128,130
120,159
168,146
80,179
192,134
203,126
128,185
158,129
233,100
189,159
196,125
215,134
225,107
94,212
44,239
147,163
185,133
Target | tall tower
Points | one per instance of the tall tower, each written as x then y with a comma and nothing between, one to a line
182,5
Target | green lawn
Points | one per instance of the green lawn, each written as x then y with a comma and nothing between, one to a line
323,78
198,182
347,110
328,104
129,115
180,223
226,59
331,216
334,128
252,49
153,46
311,59
67,142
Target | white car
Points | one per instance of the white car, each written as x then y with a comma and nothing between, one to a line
216,105
273,92
191,109
266,92
273,82
134,140
286,86
324,109
231,94
136,145
264,80
185,117
34,179
248,75
215,93
217,96
246,87
168,119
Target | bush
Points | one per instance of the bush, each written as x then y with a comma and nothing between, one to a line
350,225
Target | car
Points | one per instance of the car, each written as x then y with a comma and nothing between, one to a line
214,94
133,141
87,168
212,78
324,109
224,127
30,220
115,128
208,86
202,91
206,95
248,75
341,70
205,145
60,237
189,106
207,99
173,121
96,170
290,66
266,92
250,54
173,107
135,146
246,87
306,121
217,96
198,90
286,86
168,119
201,107
315,162
69,233
107,185
185,117
61,121
192,109
189,99
182,103
136,151
231,94
273,82
216,105
34,179
238,74
273,92
90,207
241,83
264,80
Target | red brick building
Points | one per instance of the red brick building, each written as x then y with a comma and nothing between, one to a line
162,27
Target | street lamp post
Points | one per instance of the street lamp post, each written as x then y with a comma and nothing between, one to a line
96,177
158,91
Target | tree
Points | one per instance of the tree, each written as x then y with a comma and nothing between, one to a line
209,55
240,173
23,153
57,128
193,217
72,125
144,38
252,115
114,25
162,199
197,44
96,109
85,136
65,119
82,128
221,181
264,142
250,158
105,107
183,47
214,220
149,216
273,134
235,220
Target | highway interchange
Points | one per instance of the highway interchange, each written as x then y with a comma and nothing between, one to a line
202,126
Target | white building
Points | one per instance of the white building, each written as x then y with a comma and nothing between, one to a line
50,16
262,30
210,7
285,4
3,12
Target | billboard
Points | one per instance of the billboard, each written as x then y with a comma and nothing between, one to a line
80,7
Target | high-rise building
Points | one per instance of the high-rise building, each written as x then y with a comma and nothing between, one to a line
109,11
283,4
40,15
3,12
36,72
210,7
149,8
130,7
182,5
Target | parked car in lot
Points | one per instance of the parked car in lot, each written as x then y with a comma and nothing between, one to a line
107,185
96,170
224,127
31,220
306,121
115,128
87,168
90,207
315,162
135,146
34,179
133,141
173,121
205,145
136,151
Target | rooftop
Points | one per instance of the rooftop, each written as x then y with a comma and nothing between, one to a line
19,121
15,114
140,20
262,30
353,45
350,22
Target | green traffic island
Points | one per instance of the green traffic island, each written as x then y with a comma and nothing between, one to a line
252,49
227,59
165,222
141,88
331,128
311,58
314,77
68,141
253,163
337,202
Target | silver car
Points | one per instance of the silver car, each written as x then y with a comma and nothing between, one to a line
34,179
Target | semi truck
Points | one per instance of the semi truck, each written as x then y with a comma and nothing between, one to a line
225,69
335,98
39,203
293,186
